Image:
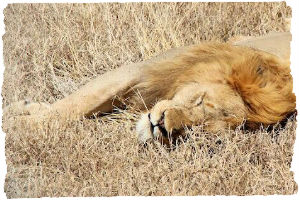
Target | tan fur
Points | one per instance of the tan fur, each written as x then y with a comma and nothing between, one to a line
261,80
218,85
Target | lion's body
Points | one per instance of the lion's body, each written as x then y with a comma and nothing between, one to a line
218,84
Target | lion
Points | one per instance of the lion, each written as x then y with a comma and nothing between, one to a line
217,85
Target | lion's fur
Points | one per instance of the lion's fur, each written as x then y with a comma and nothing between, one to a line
243,84
261,79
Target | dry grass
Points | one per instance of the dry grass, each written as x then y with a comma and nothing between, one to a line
52,49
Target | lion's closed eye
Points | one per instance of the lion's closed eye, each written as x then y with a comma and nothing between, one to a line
200,100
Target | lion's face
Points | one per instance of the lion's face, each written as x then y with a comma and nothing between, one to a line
215,105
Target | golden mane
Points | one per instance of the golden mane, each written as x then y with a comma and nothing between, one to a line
261,79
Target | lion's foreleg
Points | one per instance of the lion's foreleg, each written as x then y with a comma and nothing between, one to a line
98,94
25,107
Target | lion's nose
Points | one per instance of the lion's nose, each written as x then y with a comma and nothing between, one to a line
160,124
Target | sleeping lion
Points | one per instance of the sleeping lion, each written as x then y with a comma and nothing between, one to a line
217,85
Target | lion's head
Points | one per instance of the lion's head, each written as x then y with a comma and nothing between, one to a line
217,85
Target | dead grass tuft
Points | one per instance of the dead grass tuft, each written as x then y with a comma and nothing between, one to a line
52,49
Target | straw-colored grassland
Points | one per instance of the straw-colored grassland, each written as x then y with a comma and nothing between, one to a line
50,50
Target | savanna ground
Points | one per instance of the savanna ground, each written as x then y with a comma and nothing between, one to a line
51,50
